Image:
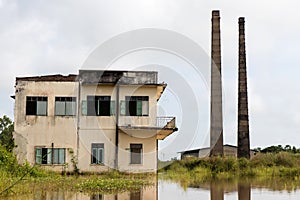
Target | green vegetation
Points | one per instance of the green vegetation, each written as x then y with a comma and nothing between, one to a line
25,179
112,185
6,133
281,166
277,149
272,165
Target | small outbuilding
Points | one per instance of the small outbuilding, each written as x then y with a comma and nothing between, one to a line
229,151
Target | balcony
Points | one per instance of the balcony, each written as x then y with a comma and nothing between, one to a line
164,127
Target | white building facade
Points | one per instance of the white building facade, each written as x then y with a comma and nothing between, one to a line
94,121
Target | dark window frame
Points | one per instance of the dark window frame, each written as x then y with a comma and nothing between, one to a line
65,99
96,197
134,105
97,148
98,105
136,153
136,195
32,105
48,153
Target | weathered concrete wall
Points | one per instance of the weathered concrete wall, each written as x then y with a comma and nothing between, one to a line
101,129
140,91
89,136
42,131
97,122
108,122
149,158
120,77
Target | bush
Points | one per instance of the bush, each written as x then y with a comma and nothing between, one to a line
243,163
8,162
285,159
293,173
263,160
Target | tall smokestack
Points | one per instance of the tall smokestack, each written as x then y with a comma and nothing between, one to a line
243,117
216,118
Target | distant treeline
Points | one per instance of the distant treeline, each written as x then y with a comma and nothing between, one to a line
277,149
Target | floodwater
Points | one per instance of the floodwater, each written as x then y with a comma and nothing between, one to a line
165,189
216,191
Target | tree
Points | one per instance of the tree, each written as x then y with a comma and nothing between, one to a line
272,149
6,133
288,148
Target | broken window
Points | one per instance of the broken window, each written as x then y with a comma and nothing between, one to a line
36,105
97,153
99,106
136,153
135,106
50,156
65,106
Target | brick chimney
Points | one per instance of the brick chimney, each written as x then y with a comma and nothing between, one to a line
216,116
243,117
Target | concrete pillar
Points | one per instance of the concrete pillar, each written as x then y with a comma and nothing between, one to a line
243,118
216,114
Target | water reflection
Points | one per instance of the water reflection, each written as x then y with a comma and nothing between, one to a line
148,193
51,195
135,195
217,191
244,191
97,197
214,190
229,190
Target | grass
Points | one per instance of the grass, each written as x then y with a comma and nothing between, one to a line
102,183
270,169
281,167
113,185
25,179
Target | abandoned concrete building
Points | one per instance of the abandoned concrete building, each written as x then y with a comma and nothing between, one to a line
96,120
228,151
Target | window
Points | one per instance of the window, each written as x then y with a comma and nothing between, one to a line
136,153
99,106
36,106
65,106
135,106
136,195
97,153
96,197
50,155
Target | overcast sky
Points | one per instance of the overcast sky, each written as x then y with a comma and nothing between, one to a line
56,37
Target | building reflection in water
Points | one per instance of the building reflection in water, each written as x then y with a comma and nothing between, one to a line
217,191
143,194
96,196
147,193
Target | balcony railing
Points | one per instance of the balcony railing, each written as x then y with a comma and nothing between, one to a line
165,122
